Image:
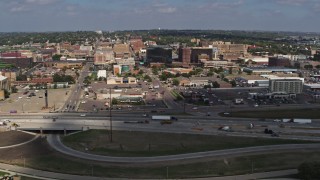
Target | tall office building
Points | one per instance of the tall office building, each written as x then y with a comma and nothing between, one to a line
159,54
286,85
279,61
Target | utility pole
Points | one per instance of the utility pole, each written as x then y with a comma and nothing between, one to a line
110,116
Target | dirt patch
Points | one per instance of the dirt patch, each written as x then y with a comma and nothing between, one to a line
8,138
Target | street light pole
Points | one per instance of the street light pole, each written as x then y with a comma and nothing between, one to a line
110,116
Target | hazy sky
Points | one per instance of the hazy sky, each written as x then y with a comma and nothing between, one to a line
63,15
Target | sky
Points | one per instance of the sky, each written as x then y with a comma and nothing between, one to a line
112,15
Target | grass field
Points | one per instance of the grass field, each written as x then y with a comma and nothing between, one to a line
221,167
289,113
3,173
127,143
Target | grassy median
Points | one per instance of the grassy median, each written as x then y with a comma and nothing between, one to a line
130,143
220,167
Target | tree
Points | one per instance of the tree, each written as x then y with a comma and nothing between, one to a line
233,83
64,69
155,70
56,57
6,93
114,101
210,73
21,78
55,86
185,75
175,82
14,89
230,70
215,84
308,66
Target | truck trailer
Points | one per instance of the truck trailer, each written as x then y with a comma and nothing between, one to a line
163,117
302,121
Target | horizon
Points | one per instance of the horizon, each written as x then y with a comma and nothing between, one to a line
112,15
111,31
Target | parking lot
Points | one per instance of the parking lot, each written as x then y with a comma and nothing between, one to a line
22,102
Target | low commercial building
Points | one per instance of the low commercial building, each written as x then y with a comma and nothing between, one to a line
268,70
216,64
62,64
121,94
121,80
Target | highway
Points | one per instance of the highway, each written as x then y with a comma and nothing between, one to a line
185,124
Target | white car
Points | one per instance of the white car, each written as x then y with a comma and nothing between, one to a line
82,115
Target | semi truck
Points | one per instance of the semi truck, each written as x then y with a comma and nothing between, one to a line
163,117
300,121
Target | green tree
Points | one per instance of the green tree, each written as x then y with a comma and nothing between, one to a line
114,101
233,83
308,66
210,73
215,84
185,75
14,89
55,86
6,93
155,70
21,78
56,57
175,82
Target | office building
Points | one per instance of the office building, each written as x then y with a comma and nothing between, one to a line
294,86
279,61
159,54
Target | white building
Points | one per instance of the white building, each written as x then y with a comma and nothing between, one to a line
102,73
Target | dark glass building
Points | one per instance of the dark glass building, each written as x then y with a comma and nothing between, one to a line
159,54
